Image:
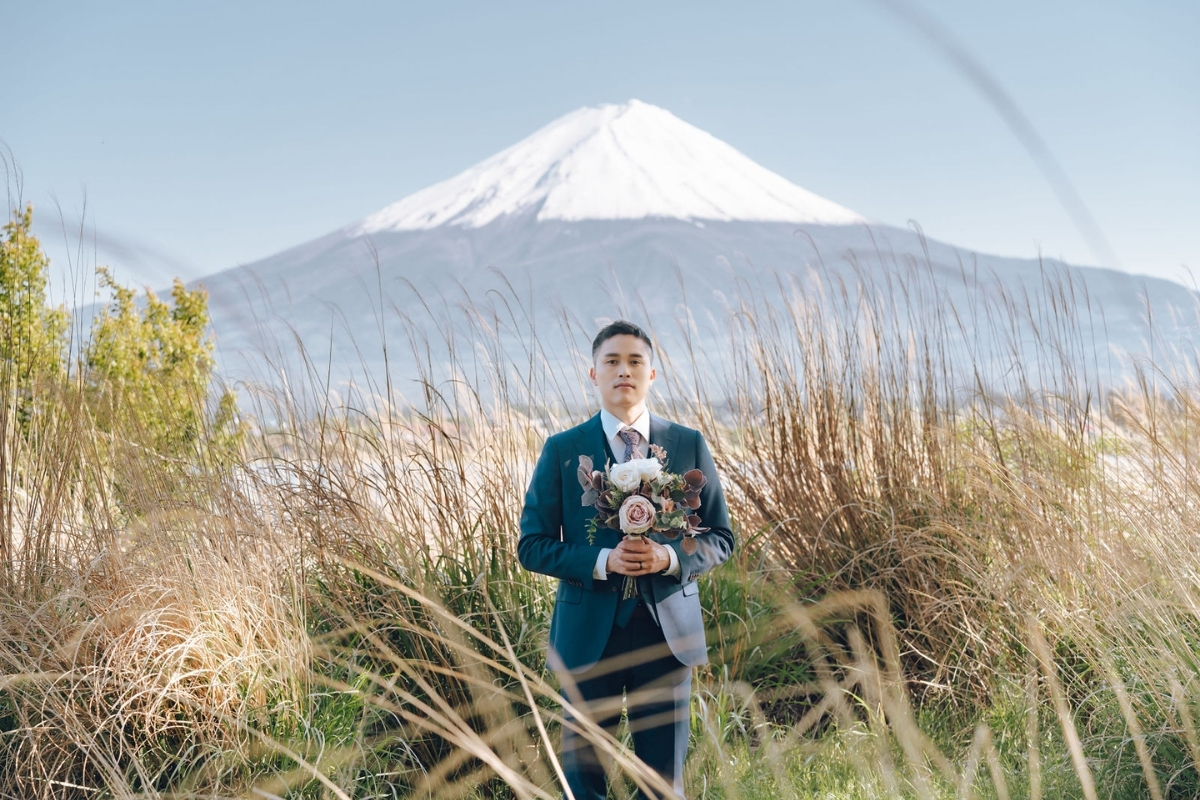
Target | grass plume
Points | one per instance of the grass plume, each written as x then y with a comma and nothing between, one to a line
927,553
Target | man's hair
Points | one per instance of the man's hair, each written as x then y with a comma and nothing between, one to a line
621,328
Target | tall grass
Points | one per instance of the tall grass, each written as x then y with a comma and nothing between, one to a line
948,581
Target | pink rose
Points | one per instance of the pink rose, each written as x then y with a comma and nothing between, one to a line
637,514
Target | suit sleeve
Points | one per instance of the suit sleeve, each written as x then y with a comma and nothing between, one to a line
541,547
715,546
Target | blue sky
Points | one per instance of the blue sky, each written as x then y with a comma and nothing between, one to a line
208,135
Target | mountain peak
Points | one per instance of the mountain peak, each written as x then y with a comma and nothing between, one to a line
627,161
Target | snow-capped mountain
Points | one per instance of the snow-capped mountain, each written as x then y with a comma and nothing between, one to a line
626,210
630,161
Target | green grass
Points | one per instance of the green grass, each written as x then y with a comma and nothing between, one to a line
990,598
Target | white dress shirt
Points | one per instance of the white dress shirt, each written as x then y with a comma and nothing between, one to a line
612,430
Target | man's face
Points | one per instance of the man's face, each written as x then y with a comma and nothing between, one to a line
622,371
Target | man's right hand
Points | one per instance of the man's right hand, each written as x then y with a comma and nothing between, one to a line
637,556
616,563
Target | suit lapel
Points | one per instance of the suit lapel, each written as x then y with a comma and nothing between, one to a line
587,441
591,443
662,433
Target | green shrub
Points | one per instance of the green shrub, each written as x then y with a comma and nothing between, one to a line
31,334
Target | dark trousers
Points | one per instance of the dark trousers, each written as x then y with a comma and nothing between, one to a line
638,662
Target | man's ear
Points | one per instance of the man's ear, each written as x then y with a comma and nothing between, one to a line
653,373
592,375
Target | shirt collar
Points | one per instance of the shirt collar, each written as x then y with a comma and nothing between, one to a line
612,424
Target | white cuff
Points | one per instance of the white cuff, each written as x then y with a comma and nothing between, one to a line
672,570
600,571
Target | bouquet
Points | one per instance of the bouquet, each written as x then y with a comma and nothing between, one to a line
641,496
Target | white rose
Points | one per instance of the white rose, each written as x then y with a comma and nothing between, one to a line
626,477
648,468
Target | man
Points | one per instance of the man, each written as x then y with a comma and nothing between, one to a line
601,645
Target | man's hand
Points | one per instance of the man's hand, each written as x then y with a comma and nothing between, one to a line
636,556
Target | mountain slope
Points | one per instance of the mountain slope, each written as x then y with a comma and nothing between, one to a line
628,211
631,161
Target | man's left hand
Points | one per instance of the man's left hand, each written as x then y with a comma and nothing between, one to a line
640,556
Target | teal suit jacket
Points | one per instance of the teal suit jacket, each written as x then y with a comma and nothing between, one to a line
554,541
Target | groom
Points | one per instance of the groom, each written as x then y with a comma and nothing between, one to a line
600,645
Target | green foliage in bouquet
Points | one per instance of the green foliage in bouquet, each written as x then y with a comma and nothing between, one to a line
640,496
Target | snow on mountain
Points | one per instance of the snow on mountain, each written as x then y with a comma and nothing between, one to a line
612,162
598,216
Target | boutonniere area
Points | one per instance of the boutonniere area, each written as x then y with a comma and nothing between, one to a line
641,496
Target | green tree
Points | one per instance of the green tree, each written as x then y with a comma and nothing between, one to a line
32,336
145,376
149,371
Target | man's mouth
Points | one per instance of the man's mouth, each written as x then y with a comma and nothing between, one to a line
624,385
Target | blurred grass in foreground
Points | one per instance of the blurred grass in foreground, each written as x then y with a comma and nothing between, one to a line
939,591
